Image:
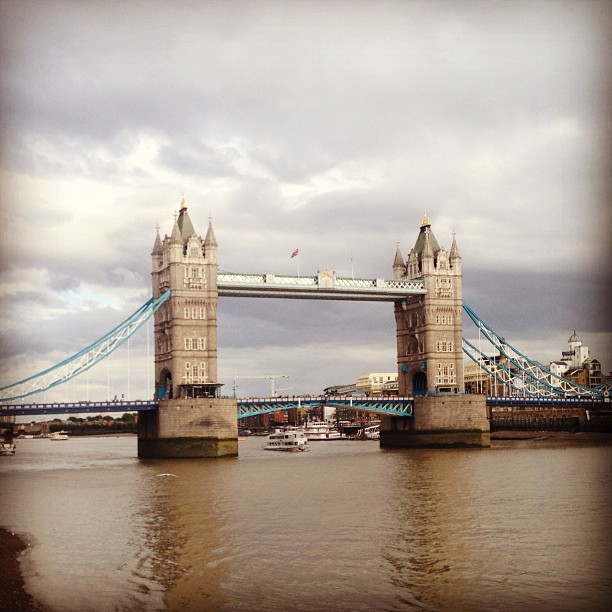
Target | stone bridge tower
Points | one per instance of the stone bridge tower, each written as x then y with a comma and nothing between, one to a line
430,354
186,325
192,419
429,349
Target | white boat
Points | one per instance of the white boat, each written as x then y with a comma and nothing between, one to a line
321,430
7,448
58,435
372,433
291,440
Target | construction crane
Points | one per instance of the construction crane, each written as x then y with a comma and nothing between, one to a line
271,377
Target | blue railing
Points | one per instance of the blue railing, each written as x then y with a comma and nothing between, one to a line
77,407
246,407
395,406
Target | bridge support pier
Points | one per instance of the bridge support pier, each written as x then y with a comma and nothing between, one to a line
189,428
438,421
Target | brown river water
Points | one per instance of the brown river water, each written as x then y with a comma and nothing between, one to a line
346,526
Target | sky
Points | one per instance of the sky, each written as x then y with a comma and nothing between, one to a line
329,127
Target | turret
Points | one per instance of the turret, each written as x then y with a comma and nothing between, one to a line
157,258
455,258
175,244
399,268
210,243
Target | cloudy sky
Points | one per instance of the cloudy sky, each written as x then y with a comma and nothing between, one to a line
325,126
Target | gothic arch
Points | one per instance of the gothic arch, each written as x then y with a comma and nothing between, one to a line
419,384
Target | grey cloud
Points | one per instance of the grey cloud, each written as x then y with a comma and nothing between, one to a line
522,305
489,116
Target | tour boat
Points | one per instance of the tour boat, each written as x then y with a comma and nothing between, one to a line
321,430
58,435
7,448
292,440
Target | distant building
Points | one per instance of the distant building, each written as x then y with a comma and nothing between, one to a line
589,375
577,354
577,366
558,368
478,381
373,383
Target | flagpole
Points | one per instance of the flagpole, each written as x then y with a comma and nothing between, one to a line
296,253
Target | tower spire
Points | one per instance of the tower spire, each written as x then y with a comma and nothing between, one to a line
454,252
399,267
157,246
210,240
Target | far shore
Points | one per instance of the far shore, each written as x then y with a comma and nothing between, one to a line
550,438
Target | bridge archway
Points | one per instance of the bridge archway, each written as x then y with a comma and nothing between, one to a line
165,389
419,383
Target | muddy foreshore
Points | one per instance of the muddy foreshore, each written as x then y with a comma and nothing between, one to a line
13,596
548,439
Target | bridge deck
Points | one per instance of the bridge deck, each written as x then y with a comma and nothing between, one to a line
246,407
395,406
76,407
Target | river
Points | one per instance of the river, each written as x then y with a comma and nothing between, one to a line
344,527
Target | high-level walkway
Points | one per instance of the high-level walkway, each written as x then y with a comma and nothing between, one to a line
325,286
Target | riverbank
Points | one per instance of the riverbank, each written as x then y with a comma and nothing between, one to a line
13,596
553,438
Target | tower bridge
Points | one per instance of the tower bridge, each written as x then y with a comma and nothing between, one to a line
188,417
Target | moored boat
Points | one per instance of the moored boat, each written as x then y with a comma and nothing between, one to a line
291,440
58,435
321,430
7,448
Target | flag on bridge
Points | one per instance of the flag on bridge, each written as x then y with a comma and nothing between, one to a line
294,254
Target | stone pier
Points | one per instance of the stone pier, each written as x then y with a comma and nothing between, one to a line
189,428
443,420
